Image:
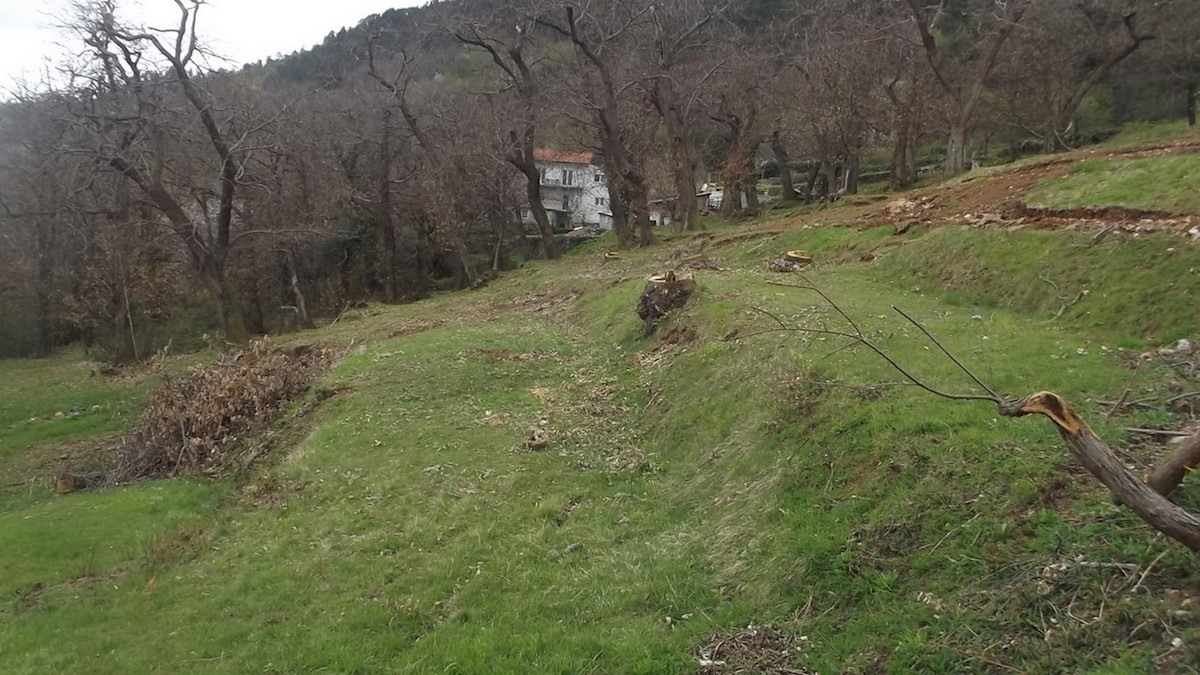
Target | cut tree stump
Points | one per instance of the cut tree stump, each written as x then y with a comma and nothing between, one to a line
67,482
792,261
663,293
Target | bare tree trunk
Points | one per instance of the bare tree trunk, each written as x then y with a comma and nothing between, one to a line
512,61
731,202
254,314
966,95
45,285
468,265
811,184
229,310
297,293
618,203
1061,120
608,121
640,211
385,227
533,192
829,171
1190,103
898,179
686,212
956,149
751,192
783,161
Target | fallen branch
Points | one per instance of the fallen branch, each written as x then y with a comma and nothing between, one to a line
1152,507
1156,432
1170,474
1098,458
1125,392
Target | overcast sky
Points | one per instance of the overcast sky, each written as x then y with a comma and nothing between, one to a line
240,30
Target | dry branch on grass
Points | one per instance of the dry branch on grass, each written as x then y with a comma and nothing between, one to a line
190,422
1147,500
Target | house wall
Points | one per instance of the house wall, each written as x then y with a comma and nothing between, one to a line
585,189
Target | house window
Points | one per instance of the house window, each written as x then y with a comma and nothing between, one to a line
566,202
599,178
601,201
568,177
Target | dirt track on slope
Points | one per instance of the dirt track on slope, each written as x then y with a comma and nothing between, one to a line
997,200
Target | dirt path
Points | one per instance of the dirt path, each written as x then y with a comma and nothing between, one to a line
996,200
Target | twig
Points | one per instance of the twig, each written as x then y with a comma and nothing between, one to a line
1136,403
952,531
858,336
945,351
883,355
987,660
1125,393
1156,432
1147,572
810,286
1181,397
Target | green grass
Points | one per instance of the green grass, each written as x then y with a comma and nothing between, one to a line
770,479
1144,133
1170,184
1140,290
90,534
58,399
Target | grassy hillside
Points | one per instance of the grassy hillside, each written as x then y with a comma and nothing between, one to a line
706,478
1170,184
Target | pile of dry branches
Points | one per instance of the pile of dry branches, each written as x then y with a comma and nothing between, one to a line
190,422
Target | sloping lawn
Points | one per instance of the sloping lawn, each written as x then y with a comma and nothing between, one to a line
1170,184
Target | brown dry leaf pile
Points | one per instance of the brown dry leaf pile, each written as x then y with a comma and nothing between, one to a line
190,421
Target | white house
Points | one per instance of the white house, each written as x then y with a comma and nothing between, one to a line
574,190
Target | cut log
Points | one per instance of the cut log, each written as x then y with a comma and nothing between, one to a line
1152,507
662,294
1167,477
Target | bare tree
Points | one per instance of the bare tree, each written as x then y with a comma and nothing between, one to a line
1044,79
676,32
964,79
595,38
132,138
448,187
509,41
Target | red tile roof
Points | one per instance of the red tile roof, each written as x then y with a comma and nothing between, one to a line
548,155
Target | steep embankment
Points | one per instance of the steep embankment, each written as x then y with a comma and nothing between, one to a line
707,478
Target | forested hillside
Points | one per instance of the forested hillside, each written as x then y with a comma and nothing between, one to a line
148,197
